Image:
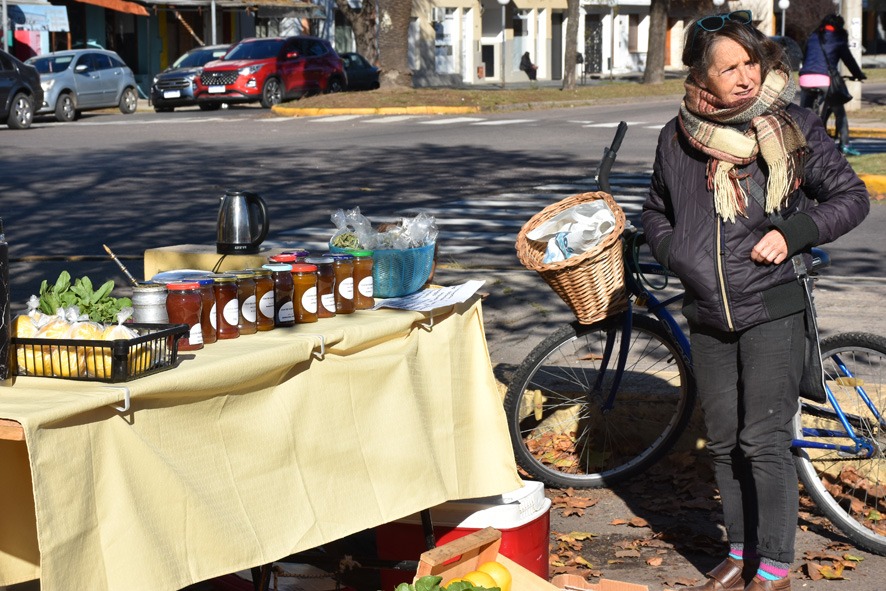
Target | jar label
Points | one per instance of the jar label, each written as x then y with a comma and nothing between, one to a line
212,318
309,300
266,304
248,309
231,312
286,313
196,335
346,288
328,301
365,286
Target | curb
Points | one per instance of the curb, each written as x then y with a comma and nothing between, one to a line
862,132
425,110
876,184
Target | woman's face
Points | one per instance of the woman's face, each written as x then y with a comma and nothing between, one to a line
733,76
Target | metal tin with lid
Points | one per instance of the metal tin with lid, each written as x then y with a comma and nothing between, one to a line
149,303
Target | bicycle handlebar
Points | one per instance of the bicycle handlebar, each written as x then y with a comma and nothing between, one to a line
609,154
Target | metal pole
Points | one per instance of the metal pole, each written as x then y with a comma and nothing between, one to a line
503,44
782,23
212,10
612,40
5,16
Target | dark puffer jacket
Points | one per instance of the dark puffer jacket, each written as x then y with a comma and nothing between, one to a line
835,47
725,289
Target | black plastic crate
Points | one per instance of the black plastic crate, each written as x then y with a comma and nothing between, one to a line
120,360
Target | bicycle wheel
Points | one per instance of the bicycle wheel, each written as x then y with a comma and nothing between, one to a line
554,404
849,488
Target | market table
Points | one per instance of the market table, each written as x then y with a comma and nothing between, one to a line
250,450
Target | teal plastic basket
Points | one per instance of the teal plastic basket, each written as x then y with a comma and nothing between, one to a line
398,273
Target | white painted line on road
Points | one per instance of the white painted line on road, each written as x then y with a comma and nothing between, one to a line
505,122
392,119
277,119
653,126
333,118
614,124
450,121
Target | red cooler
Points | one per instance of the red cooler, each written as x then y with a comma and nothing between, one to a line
522,516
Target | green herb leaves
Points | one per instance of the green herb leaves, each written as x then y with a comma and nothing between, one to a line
97,303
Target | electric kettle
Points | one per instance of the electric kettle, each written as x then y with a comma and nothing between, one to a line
242,223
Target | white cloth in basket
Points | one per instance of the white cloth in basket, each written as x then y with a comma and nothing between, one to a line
574,230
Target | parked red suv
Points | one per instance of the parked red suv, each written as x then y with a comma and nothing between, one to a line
272,70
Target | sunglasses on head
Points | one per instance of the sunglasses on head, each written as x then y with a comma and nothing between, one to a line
718,21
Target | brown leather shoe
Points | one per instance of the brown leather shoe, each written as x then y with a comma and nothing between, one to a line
726,576
760,585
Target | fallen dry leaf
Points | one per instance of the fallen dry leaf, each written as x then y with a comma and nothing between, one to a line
654,561
627,554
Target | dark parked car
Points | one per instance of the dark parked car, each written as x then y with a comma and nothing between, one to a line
174,86
361,74
272,70
82,80
20,92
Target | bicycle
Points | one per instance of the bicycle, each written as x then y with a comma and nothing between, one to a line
820,105
594,405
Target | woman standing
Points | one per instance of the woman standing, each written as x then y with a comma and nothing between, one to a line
826,47
743,180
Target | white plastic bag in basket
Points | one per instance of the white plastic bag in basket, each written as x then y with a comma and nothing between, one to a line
574,230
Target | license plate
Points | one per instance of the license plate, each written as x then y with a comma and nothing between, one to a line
216,89
172,94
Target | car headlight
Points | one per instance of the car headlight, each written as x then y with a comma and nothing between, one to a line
250,70
155,79
47,85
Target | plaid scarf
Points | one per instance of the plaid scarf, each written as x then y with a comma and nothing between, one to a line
734,135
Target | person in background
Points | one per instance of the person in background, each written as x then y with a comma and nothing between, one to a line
527,66
828,44
743,180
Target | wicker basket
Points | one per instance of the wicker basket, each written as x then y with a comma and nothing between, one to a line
592,283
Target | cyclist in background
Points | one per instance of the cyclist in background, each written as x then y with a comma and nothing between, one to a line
828,44
738,157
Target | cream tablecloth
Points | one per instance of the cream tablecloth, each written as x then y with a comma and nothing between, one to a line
248,451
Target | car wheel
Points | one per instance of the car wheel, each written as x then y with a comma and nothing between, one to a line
335,85
271,94
210,106
22,112
128,101
65,108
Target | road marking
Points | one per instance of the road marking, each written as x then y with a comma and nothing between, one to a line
334,118
506,122
392,119
613,124
451,121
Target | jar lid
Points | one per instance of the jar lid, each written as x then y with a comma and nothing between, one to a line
278,267
283,257
243,274
361,253
339,256
184,285
319,260
148,286
260,272
304,268
225,278
206,281
297,252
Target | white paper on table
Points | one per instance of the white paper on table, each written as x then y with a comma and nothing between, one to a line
427,300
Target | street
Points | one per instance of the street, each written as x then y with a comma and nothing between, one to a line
149,180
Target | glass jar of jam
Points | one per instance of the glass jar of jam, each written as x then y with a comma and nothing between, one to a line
304,295
246,297
325,285
343,265
264,298
227,307
284,314
207,293
363,285
288,258
184,305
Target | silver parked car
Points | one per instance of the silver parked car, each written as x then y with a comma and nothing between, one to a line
82,80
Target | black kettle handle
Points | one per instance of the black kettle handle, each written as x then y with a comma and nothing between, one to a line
265,222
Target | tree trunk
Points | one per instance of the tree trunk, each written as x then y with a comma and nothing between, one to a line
572,15
363,24
658,30
393,42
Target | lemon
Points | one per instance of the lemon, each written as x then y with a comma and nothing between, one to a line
480,579
457,580
499,573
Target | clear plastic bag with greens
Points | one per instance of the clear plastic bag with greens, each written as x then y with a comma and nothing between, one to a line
353,229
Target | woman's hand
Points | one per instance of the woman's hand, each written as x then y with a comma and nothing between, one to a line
772,249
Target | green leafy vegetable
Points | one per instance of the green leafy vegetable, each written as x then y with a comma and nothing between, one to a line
98,303
432,583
